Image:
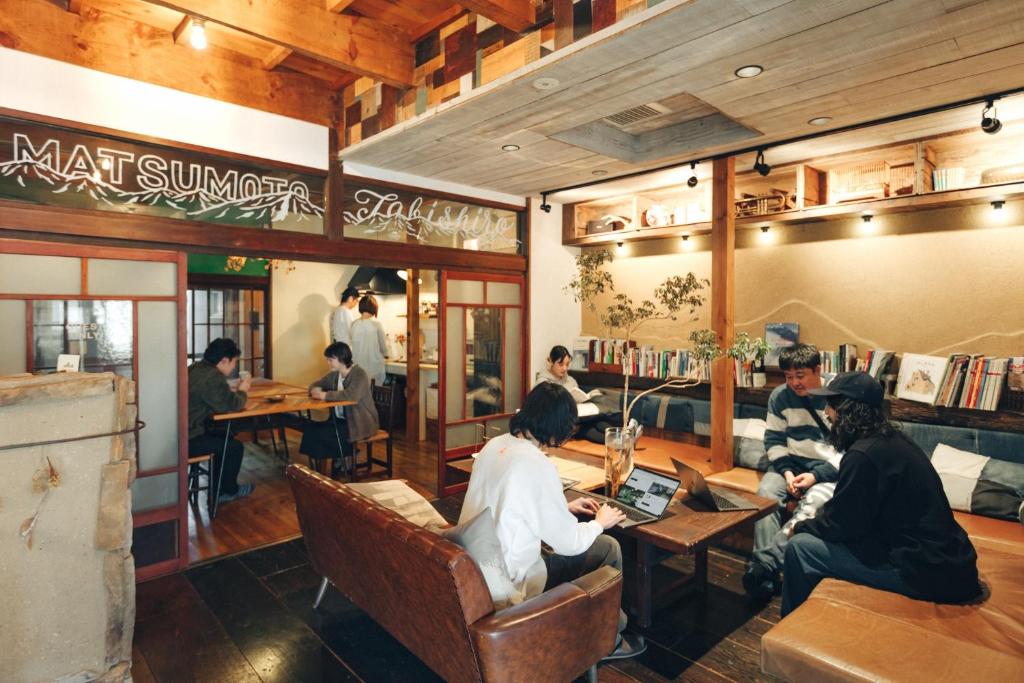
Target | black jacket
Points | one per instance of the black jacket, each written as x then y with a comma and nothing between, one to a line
889,507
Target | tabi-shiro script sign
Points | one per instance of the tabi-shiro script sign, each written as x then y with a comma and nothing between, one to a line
54,166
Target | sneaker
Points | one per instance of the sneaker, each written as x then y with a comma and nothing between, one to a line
630,645
243,491
759,582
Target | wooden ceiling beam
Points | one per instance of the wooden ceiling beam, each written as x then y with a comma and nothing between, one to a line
337,6
356,44
276,55
517,15
106,42
178,34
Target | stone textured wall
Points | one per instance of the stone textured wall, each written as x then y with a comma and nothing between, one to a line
68,577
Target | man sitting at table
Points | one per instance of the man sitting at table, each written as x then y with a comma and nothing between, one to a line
345,381
798,457
209,393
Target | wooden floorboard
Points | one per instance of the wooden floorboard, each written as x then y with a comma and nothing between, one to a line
268,515
249,618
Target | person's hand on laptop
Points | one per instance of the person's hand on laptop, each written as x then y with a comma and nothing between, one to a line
584,506
607,516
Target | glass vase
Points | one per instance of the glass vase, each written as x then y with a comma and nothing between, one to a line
618,458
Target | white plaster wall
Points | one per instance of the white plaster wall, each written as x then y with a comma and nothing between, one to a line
53,88
554,316
301,303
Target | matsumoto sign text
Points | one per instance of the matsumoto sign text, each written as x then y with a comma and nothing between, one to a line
54,166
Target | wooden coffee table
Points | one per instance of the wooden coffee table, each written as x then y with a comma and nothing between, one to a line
689,530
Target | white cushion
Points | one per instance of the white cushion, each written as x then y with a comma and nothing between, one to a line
959,472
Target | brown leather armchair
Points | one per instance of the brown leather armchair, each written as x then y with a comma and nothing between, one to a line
430,595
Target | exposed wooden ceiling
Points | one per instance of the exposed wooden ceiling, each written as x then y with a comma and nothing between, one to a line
851,60
290,57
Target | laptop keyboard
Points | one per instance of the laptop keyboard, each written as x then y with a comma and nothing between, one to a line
721,501
632,514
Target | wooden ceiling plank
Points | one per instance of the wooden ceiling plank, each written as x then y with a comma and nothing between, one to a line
106,42
356,44
336,5
273,58
431,25
178,34
517,15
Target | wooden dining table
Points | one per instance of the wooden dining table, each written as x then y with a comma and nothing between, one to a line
268,400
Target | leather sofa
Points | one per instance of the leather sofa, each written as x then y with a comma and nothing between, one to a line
430,595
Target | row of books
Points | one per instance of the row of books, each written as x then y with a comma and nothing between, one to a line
959,380
843,360
646,361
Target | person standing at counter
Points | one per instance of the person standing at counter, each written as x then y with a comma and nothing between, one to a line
345,381
209,393
369,346
344,315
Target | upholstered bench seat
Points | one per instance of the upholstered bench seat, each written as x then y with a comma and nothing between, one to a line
847,632
738,478
999,534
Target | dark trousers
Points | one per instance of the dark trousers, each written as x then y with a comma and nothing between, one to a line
810,559
604,552
213,442
320,442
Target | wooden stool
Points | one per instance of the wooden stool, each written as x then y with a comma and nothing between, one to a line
199,466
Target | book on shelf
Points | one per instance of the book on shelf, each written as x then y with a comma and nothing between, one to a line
1015,373
920,377
581,353
973,381
875,362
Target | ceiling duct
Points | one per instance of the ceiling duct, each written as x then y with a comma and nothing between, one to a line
636,114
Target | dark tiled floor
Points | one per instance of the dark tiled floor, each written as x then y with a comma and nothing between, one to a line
250,618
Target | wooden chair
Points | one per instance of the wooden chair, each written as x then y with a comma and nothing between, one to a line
200,466
384,399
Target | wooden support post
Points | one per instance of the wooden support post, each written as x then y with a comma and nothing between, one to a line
334,201
412,357
723,246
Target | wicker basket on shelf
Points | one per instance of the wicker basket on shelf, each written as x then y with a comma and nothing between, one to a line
857,183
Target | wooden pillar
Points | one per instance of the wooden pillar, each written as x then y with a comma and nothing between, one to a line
335,190
723,247
412,357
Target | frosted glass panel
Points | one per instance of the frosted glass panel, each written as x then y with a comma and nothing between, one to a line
132,278
465,292
462,435
454,372
483,362
513,359
158,384
155,492
503,293
27,274
12,337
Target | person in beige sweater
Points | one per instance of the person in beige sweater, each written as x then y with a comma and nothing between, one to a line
346,381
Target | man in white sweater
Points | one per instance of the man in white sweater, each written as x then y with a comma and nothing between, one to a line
519,484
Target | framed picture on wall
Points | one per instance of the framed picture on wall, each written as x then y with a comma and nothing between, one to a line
779,336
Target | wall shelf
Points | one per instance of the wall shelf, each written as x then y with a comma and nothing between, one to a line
905,411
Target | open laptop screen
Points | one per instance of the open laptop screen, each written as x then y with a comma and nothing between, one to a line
647,491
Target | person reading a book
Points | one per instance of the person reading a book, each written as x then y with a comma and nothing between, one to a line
799,457
514,479
345,381
889,524
591,427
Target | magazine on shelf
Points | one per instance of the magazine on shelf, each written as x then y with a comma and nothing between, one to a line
920,377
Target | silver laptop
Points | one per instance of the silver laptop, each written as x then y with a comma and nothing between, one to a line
715,497
643,497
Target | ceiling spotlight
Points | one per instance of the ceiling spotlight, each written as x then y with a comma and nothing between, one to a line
989,123
749,71
510,148
997,205
692,180
197,35
544,206
866,216
686,237
760,166
545,83
820,120
764,229
599,171
619,245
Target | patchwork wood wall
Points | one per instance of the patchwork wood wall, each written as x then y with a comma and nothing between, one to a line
471,51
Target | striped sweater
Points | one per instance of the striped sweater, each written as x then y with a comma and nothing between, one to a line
793,440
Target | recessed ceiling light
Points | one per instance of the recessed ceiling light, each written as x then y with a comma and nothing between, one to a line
510,148
599,171
820,120
749,71
545,83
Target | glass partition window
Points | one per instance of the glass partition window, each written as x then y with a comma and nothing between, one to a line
101,332
484,393
235,313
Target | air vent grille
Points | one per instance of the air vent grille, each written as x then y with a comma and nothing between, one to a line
634,115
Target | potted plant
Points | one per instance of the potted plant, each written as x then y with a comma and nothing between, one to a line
750,354
676,293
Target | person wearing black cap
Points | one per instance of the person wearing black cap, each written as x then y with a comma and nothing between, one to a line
889,524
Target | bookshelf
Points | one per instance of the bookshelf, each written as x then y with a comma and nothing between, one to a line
955,169
905,411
